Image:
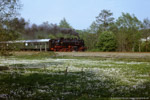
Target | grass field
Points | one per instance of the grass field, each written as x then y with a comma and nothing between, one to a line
49,76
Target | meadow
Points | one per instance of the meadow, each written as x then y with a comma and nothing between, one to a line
47,76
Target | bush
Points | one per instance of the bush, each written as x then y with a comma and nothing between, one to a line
107,42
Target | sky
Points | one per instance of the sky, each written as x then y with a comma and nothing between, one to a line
80,13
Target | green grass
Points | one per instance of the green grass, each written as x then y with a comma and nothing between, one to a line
74,78
71,86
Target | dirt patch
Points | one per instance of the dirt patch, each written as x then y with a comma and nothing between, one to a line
20,53
106,54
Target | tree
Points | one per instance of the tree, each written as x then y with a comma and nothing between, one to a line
8,11
18,24
107,41
94,28
103,23
146,31
64,24
90,39
104,20
128,35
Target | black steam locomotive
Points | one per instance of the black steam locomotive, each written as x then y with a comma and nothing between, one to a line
66,44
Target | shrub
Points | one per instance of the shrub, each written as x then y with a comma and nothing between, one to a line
107,41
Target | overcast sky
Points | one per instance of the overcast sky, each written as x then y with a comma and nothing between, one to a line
80,13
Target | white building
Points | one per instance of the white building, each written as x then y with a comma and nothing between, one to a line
143,39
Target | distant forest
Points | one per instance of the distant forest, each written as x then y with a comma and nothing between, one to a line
125,34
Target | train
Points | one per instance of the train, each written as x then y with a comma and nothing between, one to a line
61,44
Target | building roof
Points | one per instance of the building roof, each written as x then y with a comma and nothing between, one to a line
27,41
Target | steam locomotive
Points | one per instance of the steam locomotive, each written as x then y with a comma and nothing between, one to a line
62,44
66,44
